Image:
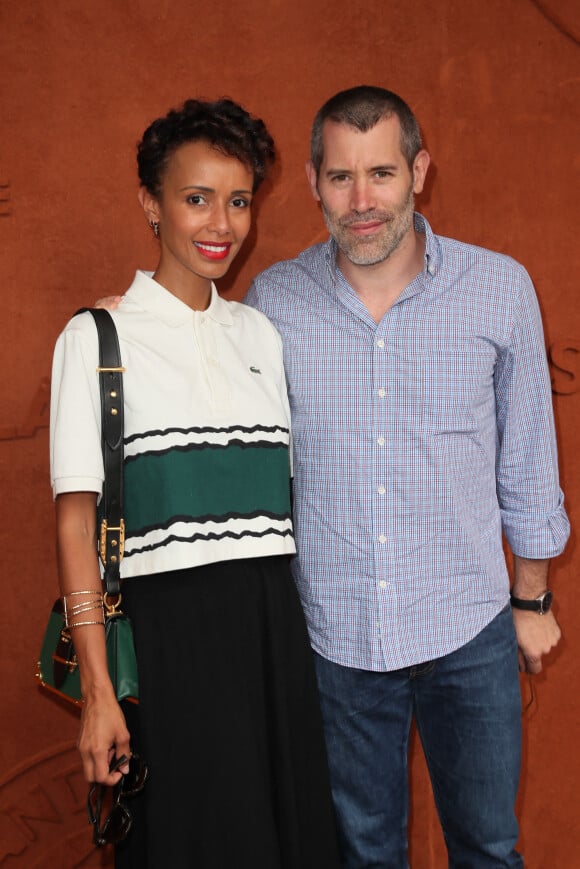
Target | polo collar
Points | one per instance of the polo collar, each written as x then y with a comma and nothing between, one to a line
164,306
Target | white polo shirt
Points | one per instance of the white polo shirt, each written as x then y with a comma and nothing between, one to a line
207,429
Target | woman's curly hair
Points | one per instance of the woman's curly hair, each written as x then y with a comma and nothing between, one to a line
223,124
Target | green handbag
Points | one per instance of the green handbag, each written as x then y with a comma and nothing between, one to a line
57,668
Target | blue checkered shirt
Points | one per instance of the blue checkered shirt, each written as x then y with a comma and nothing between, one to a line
416,442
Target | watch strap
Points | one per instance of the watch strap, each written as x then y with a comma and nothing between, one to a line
540,604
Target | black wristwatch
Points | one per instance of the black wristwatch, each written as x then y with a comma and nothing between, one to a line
540,605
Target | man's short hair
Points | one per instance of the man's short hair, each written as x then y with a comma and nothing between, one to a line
363,107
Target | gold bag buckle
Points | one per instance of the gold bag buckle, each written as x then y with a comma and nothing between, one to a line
115,542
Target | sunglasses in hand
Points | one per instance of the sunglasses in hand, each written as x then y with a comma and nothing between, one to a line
118,820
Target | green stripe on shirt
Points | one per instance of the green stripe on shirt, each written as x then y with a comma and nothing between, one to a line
203,483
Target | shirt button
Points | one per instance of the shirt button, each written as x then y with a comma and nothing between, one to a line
381,442
381,490
380,343
382,583
382,393
431,270
382,538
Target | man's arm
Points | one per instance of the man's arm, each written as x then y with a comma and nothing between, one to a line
531,502
537,634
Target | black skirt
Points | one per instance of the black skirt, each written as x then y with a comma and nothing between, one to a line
228,722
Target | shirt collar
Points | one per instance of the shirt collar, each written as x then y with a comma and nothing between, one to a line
432,246
432,250
152,297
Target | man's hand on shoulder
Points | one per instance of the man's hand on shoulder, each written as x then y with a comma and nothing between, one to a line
109,303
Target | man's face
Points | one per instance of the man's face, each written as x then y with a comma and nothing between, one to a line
366,189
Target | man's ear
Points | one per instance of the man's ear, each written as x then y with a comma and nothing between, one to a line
149,204
420,166
312,180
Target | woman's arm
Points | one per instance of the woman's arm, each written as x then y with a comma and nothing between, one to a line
103,729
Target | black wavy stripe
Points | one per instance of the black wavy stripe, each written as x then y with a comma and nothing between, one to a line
189,448
202,429
211,536
208,517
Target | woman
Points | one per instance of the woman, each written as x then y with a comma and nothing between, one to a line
228,719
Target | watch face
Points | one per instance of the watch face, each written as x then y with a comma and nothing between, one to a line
546,601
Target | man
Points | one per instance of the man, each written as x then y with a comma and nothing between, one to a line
423,428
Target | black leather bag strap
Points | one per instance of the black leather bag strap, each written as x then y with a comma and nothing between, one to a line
112,525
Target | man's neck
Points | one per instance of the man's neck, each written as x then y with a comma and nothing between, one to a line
379,286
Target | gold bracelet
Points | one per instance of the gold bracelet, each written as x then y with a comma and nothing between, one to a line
93,601
84,607
93,591
70,621
81,624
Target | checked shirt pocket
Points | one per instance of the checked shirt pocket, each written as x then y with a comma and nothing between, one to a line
446,392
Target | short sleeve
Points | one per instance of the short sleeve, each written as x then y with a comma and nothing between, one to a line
76,463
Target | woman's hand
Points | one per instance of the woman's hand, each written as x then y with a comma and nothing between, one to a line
103,735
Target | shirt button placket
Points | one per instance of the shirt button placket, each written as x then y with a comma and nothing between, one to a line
380,505
380,489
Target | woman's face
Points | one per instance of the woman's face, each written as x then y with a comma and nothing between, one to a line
204,215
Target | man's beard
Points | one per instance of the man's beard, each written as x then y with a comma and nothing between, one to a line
367,251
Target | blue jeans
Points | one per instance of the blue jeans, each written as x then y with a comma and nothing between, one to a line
467,708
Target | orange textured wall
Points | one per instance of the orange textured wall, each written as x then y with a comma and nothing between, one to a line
496,85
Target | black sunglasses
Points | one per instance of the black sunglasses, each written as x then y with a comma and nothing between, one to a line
119,820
